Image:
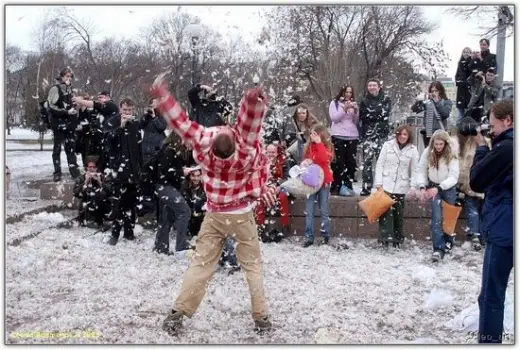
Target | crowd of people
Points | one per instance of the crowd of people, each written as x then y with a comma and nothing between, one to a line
221,181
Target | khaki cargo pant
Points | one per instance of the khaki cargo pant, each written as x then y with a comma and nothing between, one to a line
215,228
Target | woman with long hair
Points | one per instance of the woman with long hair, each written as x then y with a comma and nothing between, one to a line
437,177
470,199
396,174
344,114
303,121
461,81
319,150
437,111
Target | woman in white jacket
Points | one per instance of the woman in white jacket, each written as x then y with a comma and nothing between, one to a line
396,173
437,177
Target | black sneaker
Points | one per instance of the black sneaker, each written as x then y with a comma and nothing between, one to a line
364,193
56,177
113,240
173,322
326,240
307,244
129,237
263,325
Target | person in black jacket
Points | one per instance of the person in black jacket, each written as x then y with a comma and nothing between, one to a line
374,116
153,126
492,173
109,121
209,110
461,81
489,60
63,121
171,203
194,194
89,136
124,171
89,189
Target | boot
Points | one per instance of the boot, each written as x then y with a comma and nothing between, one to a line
173,322
263,324
307,244
74,172
437,255
475,242
113,240
56,177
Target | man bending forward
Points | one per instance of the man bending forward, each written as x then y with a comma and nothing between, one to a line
234,171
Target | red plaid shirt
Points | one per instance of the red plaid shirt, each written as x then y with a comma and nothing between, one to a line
232,183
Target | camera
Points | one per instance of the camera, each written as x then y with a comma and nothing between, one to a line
468,126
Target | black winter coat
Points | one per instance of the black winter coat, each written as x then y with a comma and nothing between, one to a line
208,112
125,157
89,135
196,198
374,115
153,136
461,80
170,162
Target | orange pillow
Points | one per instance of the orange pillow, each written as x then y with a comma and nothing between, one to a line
376,205
450,215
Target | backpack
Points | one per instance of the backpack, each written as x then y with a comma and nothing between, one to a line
45,113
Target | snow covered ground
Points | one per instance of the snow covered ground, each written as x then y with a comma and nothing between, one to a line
71,281
34,165
26,134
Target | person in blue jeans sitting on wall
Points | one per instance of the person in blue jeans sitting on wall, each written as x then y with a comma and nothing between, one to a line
493,173
437,177
320,151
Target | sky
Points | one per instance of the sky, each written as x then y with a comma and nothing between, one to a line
126,21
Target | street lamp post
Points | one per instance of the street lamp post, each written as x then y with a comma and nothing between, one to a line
194,31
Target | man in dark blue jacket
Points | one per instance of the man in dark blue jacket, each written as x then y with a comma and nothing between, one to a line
492,173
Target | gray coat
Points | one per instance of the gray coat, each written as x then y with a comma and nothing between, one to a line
490,92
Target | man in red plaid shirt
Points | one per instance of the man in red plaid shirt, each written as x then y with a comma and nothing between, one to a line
235,173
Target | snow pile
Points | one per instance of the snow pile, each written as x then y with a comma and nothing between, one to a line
437,298
51,218
467,320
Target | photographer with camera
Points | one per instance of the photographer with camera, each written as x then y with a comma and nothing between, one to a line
108,121
125,164
467,129
63,121
493,174
89,189
208,110
484,92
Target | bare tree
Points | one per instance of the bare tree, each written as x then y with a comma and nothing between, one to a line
487,17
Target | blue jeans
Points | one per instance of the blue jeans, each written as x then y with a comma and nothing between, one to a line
439,238
322,196
460,113
472,215
498,262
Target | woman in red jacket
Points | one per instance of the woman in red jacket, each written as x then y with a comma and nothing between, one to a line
320,151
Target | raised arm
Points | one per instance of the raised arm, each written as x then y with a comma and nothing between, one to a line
250,116
191,132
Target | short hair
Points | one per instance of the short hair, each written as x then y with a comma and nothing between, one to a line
491,70
484,40
374,80
92,159
408,129
105,93
127,101
85,95
65,71
503,109
223,146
